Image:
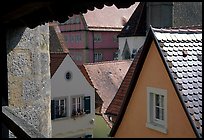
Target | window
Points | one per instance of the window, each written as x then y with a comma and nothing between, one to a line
77,106
78,57
71,38
134,51
78,38
126,51
66,37
157,109
77,20
68,75
58,108
97,37
80,105
98,57
115,55
115,39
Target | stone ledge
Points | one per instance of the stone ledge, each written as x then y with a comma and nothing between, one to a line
19,127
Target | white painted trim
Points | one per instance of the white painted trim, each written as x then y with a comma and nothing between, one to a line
151,124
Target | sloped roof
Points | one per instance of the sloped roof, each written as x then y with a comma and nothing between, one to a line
106,78
56,59
83,70
181,52
109,17
136,24
33,13
56,40
115,105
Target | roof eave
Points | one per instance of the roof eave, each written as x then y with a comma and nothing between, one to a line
134,79
150,37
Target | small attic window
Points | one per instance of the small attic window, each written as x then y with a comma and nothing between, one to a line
127,27
184,53
68,75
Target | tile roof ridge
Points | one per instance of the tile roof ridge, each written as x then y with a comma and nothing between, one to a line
177,30
110,61
105,27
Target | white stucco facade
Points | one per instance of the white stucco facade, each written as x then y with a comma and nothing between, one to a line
77,85
134,42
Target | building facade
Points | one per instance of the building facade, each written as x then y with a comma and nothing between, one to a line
92,37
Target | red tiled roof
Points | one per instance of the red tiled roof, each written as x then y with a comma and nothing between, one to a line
115,105
55,61
57,43
108,16
58,50
106,77
98,99
84,72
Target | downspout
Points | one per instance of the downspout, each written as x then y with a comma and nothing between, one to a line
93,45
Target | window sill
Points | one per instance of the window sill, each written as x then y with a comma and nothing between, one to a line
157,127
78,115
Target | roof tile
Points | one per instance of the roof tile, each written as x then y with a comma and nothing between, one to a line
106,77
116,103
108,16
188,69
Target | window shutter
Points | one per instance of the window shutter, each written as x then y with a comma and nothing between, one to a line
53,111
87,104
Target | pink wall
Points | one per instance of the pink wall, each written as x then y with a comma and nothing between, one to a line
81,56
77,39
106,39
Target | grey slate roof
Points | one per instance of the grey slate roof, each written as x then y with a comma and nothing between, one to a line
182,50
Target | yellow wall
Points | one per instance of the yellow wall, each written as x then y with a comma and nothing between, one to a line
154,74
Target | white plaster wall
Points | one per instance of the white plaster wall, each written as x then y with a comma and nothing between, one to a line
77,85
133,42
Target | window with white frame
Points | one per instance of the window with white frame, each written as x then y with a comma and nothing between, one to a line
58,108
157,109
80,105
98,57
77,105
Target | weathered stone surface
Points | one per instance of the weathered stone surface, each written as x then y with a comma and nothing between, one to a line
29,76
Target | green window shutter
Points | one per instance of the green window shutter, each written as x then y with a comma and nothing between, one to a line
53,110
87,104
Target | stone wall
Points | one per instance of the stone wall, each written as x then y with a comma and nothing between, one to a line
29,86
